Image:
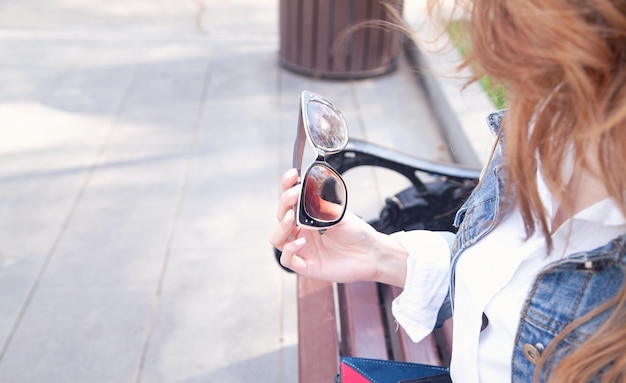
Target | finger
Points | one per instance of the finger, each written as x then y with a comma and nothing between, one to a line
289,257
288,199
282,232
290,178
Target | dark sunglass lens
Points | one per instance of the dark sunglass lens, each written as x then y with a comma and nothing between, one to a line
327,128
324,194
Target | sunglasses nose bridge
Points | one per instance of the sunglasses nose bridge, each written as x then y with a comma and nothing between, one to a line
321,156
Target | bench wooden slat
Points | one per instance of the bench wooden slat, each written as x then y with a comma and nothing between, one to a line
366,327
362,325
444,340
318,354
424,351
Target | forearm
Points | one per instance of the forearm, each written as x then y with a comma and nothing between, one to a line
427,279
391,260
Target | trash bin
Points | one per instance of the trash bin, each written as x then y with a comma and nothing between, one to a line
339,39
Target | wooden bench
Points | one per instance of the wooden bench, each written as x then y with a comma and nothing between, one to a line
355,320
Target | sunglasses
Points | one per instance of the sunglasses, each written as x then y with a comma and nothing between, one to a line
323,199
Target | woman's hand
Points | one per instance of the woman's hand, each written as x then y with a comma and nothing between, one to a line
347,252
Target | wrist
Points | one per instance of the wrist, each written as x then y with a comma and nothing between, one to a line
391,258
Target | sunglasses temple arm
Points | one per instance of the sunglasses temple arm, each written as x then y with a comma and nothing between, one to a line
298,147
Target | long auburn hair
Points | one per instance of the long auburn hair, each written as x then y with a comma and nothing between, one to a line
563,65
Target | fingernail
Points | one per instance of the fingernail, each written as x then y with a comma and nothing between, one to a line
294,192
300,241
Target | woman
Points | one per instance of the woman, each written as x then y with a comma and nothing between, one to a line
537,266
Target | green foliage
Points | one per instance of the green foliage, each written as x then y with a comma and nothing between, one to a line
496,93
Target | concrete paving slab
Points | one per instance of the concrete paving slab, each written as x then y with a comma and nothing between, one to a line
80,16
16,283
45,156
142,147
187,330
79,335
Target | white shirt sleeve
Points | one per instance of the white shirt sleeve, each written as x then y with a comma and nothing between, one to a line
427,281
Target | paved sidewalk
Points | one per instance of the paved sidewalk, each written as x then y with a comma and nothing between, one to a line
141,147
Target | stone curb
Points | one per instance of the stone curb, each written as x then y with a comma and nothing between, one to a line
461,111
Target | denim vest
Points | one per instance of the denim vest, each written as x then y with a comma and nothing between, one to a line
562,293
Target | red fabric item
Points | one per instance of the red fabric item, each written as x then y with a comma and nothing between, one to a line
350,375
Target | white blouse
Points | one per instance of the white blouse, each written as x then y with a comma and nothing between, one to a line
492,277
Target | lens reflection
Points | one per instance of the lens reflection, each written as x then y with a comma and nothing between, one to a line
324,194
326,126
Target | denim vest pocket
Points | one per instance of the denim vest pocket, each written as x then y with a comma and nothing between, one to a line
560,296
